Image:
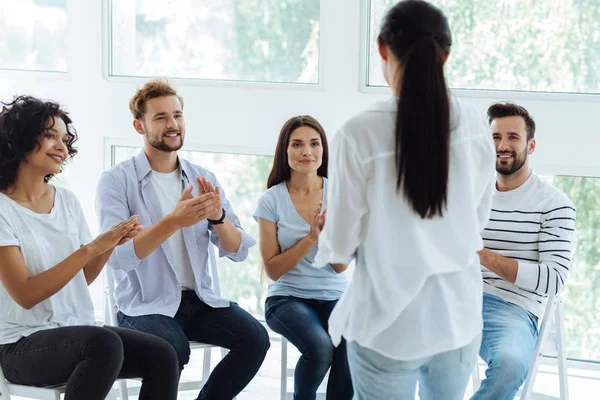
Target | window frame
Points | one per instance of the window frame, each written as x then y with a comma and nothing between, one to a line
493,95
45,75
111,142
107,59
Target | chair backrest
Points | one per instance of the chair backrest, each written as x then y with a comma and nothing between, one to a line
547,317
549,342
110,315
110,310
212,267
546,338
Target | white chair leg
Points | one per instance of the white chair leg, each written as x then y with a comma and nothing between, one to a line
206,365
561,354
123,389
283,368
475,380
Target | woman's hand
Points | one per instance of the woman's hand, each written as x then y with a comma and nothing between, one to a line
135,229
114,236
318,222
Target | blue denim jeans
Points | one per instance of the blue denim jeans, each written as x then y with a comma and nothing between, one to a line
304,323
231,328
441,376
509,336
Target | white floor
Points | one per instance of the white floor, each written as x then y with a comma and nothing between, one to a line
583,384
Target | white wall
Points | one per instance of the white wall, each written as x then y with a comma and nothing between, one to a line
221,116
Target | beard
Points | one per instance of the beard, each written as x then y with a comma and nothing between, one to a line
518,162
160,143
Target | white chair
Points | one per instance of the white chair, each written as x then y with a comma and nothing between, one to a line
548,343
40,393
289,372
111,319
8,389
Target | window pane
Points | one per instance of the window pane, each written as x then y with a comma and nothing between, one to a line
581,293
242,40
244,179
526,45
34,35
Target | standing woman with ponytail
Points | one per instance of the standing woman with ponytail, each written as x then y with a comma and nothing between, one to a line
410,191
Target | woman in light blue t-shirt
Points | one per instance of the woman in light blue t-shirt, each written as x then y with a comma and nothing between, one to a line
291,215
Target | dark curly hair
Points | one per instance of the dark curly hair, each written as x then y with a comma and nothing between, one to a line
22,123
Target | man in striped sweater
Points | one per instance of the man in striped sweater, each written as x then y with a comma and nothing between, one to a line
528,242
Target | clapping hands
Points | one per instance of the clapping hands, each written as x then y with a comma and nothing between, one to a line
190,210
318,222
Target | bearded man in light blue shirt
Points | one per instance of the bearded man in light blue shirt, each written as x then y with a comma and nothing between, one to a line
163,280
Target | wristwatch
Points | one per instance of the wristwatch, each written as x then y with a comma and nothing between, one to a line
217,221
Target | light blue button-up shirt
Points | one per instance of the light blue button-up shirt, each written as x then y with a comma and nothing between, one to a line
149,286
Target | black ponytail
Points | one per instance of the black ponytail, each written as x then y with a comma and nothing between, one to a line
417,33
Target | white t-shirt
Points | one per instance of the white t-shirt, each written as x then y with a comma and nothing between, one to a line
168,188
416,289
45,240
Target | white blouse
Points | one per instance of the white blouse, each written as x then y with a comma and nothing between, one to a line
417,286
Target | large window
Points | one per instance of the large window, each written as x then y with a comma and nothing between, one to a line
244,179
582,290
522,45
239,40
34,35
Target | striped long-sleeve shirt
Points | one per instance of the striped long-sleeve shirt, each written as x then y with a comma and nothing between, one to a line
535,226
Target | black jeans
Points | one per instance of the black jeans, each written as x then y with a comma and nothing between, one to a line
231,328
89,359
304,322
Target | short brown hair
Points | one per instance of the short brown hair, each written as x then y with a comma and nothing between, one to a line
281,170
507,109
157,87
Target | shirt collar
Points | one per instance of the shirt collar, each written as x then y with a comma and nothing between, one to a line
143,168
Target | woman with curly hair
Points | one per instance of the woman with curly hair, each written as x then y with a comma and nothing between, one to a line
47,331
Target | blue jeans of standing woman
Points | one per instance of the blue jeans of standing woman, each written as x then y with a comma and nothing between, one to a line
442,376
304,323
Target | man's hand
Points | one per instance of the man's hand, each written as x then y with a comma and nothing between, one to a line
483,256
505,267
204,187
190,210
